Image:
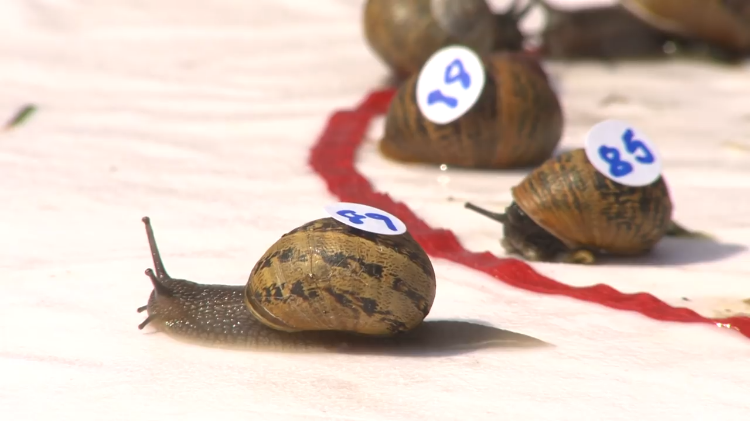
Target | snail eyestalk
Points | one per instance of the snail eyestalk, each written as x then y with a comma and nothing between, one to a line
500,217
161,272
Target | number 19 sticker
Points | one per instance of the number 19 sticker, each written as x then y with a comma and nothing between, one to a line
366,218
623,154
449,84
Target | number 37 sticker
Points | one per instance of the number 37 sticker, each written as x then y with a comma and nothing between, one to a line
623,154
366,218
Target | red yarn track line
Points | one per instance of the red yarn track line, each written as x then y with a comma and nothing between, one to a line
333,158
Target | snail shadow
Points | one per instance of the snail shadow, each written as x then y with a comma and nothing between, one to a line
439,338
680,252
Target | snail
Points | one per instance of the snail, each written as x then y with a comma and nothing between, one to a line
517,121
321,280
723,25
740,8
508,35
601,32
567,211
404,34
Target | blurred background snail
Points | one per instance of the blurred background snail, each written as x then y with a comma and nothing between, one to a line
717,23
600,32
404,34
517,121
647,29
567,211
319,281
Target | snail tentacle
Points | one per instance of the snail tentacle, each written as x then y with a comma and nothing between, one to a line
161,272
157,278
500,217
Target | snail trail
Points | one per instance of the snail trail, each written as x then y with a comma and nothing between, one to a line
333,158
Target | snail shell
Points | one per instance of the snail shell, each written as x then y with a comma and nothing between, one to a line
566,210
717,22
576,203
601,32
326,275
404,34
322,276
516,122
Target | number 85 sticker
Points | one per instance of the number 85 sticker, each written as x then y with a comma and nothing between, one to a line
623,154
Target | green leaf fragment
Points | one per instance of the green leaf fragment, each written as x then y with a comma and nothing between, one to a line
21,116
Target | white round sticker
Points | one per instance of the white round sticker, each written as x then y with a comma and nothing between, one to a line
449,84
623,154
366,218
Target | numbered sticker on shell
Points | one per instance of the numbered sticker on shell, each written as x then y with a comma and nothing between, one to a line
366,218
623,153
449,84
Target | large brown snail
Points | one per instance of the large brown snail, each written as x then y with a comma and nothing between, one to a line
404,34
567,211
323,278
516,121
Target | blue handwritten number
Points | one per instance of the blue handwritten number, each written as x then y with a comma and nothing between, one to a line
386,220
460,75
617,167
352,216
438,96
620,168
356,218
634,146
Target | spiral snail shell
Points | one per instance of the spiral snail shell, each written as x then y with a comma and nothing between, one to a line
517,121
566,210
404,34
322,276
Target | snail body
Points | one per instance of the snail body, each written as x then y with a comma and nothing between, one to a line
404,34
722,24
565,210
321,278
517,121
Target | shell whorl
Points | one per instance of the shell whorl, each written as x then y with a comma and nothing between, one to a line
574,202
326,275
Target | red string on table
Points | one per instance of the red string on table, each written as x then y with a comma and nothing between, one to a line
333,158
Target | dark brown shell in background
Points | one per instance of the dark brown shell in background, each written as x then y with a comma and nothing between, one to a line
508,34
573,201
405,33
723,23
328,276
516,122
602,32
